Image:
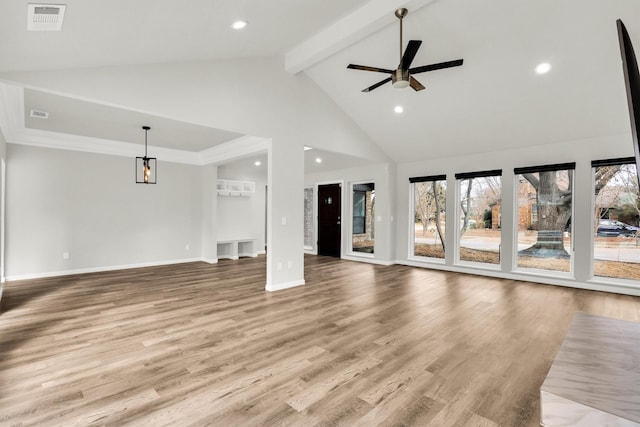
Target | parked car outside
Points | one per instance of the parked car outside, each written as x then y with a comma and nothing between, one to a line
612,228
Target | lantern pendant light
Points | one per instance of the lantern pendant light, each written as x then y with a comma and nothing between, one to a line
146,167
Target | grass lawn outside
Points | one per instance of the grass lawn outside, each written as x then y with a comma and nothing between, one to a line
602,268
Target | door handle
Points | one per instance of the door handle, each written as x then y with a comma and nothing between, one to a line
338,222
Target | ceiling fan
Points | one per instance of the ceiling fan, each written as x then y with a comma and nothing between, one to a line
402,76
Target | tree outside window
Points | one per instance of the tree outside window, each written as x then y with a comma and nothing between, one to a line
480,214
545,244
428,228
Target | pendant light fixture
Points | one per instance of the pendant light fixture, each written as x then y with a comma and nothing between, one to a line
146,167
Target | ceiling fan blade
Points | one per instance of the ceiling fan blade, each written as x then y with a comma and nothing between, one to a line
366,68
409,53
380,83
415,84
434,67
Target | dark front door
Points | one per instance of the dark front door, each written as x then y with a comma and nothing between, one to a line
329,211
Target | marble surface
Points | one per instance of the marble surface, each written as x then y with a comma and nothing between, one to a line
595,378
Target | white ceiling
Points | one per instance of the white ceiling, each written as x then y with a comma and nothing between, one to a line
76,117
494,101
116,32
330,161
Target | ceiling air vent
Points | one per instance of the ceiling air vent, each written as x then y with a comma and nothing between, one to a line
39,114
45,17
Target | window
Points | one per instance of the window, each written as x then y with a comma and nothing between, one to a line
534,214
359,211
616,250
545,244
428,225
480,206
308,218
363,217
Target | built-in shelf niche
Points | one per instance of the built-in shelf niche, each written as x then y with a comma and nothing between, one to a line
228,187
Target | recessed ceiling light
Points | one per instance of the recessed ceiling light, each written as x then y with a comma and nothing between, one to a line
257,163
398,109
543,68
318,160
238,25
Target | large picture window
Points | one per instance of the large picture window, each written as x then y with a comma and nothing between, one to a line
544,236
428,225
616,248
480,216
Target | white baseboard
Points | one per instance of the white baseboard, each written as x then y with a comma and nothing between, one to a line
263,252
368,260
1,289
209,260
280,286
98,269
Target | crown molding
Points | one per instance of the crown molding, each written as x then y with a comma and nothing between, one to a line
14,131
235,149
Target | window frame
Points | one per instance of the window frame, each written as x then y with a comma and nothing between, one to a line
617,281
459,177
350,251
412,210
570,167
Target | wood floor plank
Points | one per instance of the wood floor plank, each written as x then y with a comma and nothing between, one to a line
359,344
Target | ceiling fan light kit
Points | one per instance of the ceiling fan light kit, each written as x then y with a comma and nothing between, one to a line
402,77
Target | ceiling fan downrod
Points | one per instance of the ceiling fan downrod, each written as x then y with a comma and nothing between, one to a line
400,14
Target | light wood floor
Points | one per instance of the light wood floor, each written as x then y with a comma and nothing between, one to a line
197,344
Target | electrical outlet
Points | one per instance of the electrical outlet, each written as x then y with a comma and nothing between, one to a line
284,220
186,247
65,255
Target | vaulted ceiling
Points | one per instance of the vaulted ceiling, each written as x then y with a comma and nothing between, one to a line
494,101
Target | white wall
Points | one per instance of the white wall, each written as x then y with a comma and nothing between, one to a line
582,152
89,206
380,174
243,216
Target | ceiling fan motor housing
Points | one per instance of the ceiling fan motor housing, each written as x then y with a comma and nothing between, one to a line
400,78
